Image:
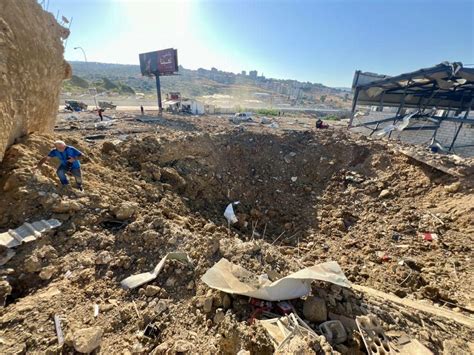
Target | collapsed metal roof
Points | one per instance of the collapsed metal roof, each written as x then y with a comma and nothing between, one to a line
445,86
448,87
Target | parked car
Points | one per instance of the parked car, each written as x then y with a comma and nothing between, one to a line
241,117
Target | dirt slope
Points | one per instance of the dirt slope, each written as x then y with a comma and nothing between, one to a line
32,68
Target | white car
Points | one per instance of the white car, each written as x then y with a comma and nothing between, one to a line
241,117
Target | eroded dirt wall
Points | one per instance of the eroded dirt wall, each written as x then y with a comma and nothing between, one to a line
32,68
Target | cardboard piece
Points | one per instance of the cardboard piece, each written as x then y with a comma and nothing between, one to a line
234,279
140,279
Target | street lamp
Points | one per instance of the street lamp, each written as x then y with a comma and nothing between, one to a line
85,59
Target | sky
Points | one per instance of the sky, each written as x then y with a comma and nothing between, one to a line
321,41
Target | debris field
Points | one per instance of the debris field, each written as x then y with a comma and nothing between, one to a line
401,231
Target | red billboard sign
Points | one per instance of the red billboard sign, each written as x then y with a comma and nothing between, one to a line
164,62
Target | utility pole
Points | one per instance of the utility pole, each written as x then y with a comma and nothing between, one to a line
85,59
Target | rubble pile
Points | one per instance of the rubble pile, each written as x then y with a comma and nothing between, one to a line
391,223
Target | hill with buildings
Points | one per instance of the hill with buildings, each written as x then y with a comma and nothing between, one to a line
216,86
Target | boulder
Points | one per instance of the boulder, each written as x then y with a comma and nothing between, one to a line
87,339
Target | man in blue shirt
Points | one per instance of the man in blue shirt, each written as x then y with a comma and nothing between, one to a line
68,162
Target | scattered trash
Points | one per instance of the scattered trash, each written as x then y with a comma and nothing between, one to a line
274,125
229,213
429,236
265,120
282,330
96,310
403,344
382,256
373,335
95,137
140,279
59,331
27,232
334,331
226,277
151,330
294,178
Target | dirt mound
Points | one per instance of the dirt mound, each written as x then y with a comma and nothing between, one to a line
305,198
31,70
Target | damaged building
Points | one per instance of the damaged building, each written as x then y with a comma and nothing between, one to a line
431,106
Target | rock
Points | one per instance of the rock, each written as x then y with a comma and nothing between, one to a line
182,346
171,176
243,352
126,210
384,193
47,272
152,290
453,187
65,206
32,264
87,339
457,346
160,307
315,310
47,252
226,301
207,304
103,258
219,316
110,146
5,290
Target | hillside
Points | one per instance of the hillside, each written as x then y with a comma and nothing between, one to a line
215,86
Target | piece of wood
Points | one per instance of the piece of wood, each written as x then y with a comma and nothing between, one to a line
426,308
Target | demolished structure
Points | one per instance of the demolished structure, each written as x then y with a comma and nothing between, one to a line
32,68
429,106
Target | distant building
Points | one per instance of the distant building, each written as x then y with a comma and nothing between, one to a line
244,73
253,74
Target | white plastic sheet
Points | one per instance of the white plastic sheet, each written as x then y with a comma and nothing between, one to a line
229,213
140,279
234,279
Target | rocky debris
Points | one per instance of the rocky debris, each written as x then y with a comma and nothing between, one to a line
33,264
104,258
87,340
315,310
454,187
66,206
110,146
47,272
125,210
171,176
333,212
152,290
5,291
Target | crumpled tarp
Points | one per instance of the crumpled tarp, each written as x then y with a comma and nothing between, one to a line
140,279
234,279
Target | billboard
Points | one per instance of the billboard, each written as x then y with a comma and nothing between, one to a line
164,62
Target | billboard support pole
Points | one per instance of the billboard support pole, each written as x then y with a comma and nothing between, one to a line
158,92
